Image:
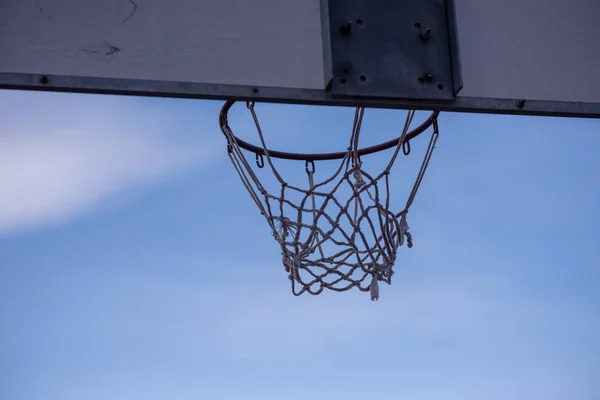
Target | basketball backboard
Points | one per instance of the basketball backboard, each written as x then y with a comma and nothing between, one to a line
537,57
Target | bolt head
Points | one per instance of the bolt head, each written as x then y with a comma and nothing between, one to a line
346,28
425,34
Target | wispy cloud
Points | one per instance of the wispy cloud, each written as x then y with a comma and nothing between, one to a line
56,163
145,324
277,325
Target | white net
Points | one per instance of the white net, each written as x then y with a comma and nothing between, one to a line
340,233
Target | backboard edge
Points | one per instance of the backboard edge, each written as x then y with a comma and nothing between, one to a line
210,91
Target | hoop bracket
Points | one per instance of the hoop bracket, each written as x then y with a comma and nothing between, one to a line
413,42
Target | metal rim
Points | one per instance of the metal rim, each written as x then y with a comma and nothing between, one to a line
259,151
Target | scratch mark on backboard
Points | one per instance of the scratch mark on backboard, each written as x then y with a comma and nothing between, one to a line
106,49
133,11
112,49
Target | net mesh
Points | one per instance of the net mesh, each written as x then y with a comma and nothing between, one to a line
340,233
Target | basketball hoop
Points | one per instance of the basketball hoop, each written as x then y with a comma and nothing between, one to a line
328,239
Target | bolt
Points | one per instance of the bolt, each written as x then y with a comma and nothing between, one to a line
428,77
425,34
346,28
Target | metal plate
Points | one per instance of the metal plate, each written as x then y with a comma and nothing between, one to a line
394,49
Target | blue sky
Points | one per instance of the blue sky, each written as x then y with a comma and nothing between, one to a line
133,265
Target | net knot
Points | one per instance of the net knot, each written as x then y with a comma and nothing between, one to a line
374,288
404,233
283,228
359,179
291,265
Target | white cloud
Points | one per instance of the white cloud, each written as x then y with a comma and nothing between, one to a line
63,155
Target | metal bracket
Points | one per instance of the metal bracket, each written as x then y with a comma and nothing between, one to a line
395,49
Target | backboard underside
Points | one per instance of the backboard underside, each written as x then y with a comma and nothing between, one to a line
537,57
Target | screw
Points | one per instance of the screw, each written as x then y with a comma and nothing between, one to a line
346,28
428,77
